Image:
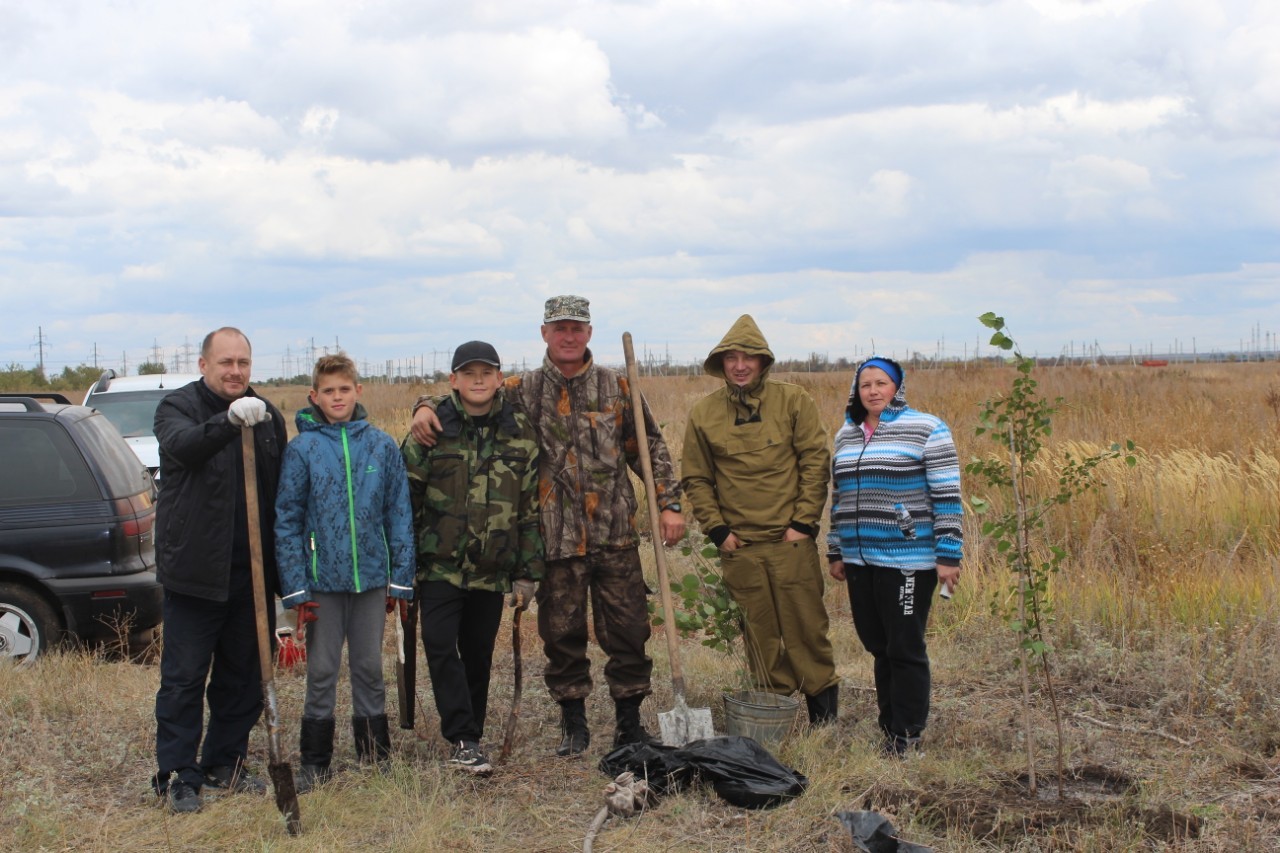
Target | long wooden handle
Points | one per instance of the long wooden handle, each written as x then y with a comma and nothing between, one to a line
249,458
655,526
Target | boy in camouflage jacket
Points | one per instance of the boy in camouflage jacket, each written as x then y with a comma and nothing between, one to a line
475,510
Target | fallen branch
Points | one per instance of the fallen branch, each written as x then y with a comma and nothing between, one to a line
601,817
1133,730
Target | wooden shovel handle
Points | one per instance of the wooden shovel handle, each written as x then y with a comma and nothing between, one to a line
249,454
655,525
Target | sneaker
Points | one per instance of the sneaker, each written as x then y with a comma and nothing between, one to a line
183,798
468,756
235,780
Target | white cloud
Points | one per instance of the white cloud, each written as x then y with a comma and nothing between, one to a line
847,169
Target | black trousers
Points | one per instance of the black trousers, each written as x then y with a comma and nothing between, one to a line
459,627
890,613
210,651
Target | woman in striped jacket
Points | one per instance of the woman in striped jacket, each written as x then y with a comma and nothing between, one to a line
895,536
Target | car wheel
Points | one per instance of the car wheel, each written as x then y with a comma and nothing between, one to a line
28,626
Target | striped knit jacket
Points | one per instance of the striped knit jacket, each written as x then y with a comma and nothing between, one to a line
895,499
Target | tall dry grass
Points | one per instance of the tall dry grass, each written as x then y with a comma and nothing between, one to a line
1166,619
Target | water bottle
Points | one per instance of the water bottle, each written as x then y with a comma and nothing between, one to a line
905,523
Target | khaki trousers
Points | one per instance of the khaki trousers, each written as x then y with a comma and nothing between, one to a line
779,586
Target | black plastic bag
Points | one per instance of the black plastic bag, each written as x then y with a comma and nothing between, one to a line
873,833
658,765
742,772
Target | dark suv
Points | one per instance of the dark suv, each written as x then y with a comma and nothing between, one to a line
77,529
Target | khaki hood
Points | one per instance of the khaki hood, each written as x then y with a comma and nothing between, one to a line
744,336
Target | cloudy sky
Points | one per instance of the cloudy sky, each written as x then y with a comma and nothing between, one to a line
398,177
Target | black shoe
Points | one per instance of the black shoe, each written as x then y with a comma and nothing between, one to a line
183,798
237,780
630,729
824,707
573,723
900,746
468,757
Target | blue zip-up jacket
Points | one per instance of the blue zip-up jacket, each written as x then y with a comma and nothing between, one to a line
343,518
895,499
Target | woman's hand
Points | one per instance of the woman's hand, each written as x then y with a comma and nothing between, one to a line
948,575
836,569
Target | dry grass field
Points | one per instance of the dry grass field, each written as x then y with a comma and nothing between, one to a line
1166,637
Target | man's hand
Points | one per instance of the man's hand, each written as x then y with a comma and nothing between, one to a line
307,612
398,604
672,524
425,426
247,412
793,535
522,592
836,569
731,543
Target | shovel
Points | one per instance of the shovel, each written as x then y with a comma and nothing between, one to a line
681,724
279,770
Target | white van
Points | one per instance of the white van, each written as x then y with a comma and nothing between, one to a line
129,402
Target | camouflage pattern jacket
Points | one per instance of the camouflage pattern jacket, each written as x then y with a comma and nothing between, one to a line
587,432
475,498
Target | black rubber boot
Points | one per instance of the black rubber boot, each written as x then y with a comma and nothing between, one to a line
573,723
630,730
373,739
315,746
824,707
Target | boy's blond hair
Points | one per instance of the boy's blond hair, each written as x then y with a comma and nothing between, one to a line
339,363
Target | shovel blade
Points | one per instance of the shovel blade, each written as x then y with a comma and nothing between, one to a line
682,725
286,795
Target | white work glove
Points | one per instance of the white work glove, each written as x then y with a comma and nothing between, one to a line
247,411
522,592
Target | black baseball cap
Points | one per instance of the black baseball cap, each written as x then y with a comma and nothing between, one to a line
475,351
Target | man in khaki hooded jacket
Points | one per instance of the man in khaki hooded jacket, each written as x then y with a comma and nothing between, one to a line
755,468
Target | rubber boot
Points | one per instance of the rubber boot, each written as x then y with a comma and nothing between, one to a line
824,707
573,723
373,739
315,746
630,730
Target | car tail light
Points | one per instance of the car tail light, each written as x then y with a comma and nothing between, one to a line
140,514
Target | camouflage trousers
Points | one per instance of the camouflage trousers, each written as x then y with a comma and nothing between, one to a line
620,616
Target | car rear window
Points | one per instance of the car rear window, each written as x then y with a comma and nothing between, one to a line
133,412
123,473
40,464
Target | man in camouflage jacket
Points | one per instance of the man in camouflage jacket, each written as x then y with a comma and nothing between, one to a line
475,510
587,436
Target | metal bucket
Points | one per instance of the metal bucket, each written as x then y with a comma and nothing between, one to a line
764,717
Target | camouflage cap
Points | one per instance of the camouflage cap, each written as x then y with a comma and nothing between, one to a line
567,308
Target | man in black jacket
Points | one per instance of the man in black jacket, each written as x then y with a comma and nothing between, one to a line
202,560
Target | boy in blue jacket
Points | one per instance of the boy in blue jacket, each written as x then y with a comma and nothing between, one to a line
344,547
